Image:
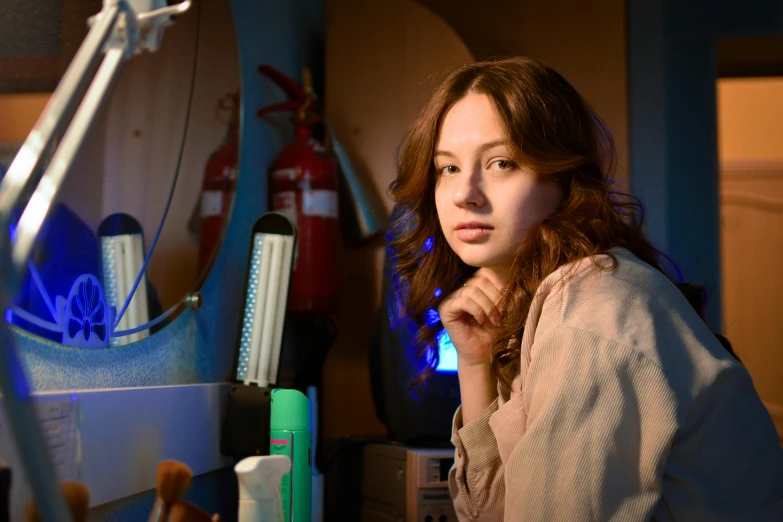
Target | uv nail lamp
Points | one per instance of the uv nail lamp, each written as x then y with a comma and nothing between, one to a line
267,283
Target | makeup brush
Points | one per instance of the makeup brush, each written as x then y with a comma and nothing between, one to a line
77,497
184,511
173,479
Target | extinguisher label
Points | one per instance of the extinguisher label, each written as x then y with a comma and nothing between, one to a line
285,203
285,174
322,203
211,203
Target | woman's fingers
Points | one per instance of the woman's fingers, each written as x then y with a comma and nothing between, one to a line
487,282
491,277
469,300
478,295
487,287
455,308
479,298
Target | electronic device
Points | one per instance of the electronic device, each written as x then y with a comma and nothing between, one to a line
260,336
405,484
422,418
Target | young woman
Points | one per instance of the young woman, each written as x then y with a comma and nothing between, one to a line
592,389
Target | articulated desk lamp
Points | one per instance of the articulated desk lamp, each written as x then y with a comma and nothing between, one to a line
122,28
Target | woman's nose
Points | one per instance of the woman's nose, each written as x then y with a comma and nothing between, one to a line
468,191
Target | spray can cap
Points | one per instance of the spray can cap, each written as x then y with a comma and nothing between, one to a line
290,410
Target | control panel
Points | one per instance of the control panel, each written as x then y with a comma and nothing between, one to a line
406,484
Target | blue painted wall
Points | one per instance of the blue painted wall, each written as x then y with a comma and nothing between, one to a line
198,345
673,124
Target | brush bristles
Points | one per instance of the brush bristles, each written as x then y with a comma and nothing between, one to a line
173,479
77,497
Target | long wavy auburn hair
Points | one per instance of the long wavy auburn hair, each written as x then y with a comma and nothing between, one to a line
551,129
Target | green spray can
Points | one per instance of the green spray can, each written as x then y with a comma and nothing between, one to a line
291,434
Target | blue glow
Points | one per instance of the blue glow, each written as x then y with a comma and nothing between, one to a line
432,317
69,248
428,244
9,316
447,361
438,292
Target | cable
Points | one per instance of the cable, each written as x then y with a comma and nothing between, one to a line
176,176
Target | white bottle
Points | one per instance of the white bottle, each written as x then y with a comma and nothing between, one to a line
259,487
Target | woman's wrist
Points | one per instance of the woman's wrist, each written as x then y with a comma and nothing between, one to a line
477,388
473,365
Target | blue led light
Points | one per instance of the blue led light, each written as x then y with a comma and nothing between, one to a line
428,244
432,317
438,292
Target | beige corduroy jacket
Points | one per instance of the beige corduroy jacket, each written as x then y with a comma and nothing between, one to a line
626,408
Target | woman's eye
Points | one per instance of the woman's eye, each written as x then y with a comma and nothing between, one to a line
448,169
502,165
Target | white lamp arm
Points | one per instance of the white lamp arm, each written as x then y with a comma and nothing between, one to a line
122,29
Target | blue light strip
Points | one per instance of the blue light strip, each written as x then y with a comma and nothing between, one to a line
147,325
27,316
250,307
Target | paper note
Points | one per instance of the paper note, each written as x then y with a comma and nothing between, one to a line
59,423
60,427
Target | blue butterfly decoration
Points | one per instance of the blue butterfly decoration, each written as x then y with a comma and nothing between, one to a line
85,319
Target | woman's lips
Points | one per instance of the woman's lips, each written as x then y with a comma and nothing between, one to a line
472,231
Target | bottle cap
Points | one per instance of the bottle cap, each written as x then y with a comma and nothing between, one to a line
290,410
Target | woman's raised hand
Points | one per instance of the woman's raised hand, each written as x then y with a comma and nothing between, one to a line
468,313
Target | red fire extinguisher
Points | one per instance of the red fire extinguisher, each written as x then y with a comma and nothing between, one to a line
220,175
303,184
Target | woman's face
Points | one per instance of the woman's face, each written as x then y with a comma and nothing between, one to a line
486,202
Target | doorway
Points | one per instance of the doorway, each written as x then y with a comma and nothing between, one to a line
750,144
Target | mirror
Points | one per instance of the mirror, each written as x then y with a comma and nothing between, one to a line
157,169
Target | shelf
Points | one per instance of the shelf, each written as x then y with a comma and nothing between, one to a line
113,439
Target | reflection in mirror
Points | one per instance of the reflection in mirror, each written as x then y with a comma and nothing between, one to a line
143,209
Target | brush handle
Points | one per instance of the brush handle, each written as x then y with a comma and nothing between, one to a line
160,511
184,511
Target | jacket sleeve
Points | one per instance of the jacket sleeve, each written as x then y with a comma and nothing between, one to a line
476,479
600,421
